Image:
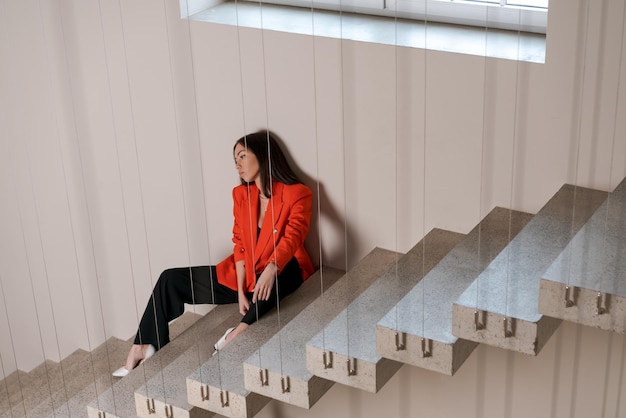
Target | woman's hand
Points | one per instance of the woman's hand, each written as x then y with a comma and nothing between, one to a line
264,285
244,303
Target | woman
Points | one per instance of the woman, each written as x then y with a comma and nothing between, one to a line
272,212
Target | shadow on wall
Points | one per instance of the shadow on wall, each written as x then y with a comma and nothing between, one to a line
324,208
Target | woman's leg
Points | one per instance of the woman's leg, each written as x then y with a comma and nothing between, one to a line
289,279
174,288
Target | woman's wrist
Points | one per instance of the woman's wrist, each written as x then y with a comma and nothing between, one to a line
272,267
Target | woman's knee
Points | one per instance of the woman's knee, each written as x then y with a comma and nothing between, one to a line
168,279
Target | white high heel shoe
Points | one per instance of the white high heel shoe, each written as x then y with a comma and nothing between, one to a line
222,341
123,371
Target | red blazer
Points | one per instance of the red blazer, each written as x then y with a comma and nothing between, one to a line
284,229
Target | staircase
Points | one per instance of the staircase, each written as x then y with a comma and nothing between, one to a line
507,284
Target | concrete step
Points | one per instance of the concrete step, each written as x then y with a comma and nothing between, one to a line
40,387
345,350
282,360
14,387
82,370
165,394
500,308
585,284
88,383
75,406
418,330
218,385
119,400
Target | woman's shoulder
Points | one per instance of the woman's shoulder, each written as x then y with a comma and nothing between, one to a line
241,192
297,189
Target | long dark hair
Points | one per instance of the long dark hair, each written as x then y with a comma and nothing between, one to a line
264,145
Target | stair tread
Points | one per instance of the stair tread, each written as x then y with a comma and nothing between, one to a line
75,406
425,312
363,313
352,333
432,297
119,399
36,388
284,354
169,385
589,272
286,351
594,259
224,372
510,284
13,385
500,307
87,372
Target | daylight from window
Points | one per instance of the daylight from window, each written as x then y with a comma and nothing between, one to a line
523,15
526,3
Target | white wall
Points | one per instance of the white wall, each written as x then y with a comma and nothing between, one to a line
117,123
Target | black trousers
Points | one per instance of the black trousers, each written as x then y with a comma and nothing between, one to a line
195,285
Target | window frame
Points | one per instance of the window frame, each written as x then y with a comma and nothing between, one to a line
461,12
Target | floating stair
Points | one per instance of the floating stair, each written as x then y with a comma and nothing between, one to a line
165,394
586,283
87,382
119,400
41,387
565,263
80,370
345,350
49,389
218,385
278,369
75,406
418,330
500,307
14,399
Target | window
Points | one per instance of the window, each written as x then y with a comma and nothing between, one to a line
524,15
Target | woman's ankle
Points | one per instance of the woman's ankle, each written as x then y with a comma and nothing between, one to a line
241,327
135,355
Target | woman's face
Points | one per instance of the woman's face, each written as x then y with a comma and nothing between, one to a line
246,163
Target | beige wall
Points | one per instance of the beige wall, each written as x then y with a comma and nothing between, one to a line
117,126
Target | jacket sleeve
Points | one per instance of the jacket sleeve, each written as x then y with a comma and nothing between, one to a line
291,238
238,250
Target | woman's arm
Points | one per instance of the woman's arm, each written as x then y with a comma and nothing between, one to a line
244,304
264,285
291,237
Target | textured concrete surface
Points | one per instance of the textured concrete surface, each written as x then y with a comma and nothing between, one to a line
351,335
45,383
221,376
119,400
166,391
593,267
283,358
14,388
506,293
48,388
81,370
89,381
426,310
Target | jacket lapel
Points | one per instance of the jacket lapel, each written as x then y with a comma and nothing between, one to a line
269,229
251,216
